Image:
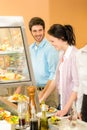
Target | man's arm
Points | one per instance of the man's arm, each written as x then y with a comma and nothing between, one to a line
47,90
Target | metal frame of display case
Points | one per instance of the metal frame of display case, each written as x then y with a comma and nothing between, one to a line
17,21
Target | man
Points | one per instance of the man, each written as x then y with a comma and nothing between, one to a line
44,59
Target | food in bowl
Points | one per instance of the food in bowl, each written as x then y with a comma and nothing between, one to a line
12,119
4,114
55,120
18,97
48,108
51,109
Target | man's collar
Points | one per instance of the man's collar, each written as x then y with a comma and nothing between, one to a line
40,45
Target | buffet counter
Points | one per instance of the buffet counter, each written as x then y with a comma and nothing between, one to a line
64,126
11,121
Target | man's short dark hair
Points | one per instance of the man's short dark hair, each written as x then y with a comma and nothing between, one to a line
36,21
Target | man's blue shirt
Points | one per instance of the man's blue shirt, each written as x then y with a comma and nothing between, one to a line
44,59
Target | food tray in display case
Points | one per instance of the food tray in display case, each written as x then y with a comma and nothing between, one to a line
15,63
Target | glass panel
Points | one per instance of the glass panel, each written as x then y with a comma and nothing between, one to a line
13,61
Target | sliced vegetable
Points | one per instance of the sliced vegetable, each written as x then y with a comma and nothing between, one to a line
55,120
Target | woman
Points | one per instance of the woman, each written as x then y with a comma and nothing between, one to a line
66,79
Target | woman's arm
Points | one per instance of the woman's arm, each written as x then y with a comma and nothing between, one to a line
68,105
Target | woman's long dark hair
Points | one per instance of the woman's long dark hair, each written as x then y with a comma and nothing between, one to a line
64,32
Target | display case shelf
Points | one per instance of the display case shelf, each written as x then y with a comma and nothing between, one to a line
15,63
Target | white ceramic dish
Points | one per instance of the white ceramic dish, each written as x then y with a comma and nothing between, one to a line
39,114
10,98
50,111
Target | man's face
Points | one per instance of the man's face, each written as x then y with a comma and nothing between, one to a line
38,33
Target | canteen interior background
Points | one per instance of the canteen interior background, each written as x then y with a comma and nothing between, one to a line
72,12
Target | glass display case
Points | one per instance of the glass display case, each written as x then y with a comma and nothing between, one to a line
15,63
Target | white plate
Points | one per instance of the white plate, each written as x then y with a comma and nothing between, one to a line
64,117
11,100
39,114
82,122
48,112
51,110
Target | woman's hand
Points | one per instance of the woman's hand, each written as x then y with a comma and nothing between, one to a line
61,112
79,116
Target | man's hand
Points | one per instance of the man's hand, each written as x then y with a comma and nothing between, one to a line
18,90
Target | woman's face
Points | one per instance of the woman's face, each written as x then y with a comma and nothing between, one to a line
57,43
